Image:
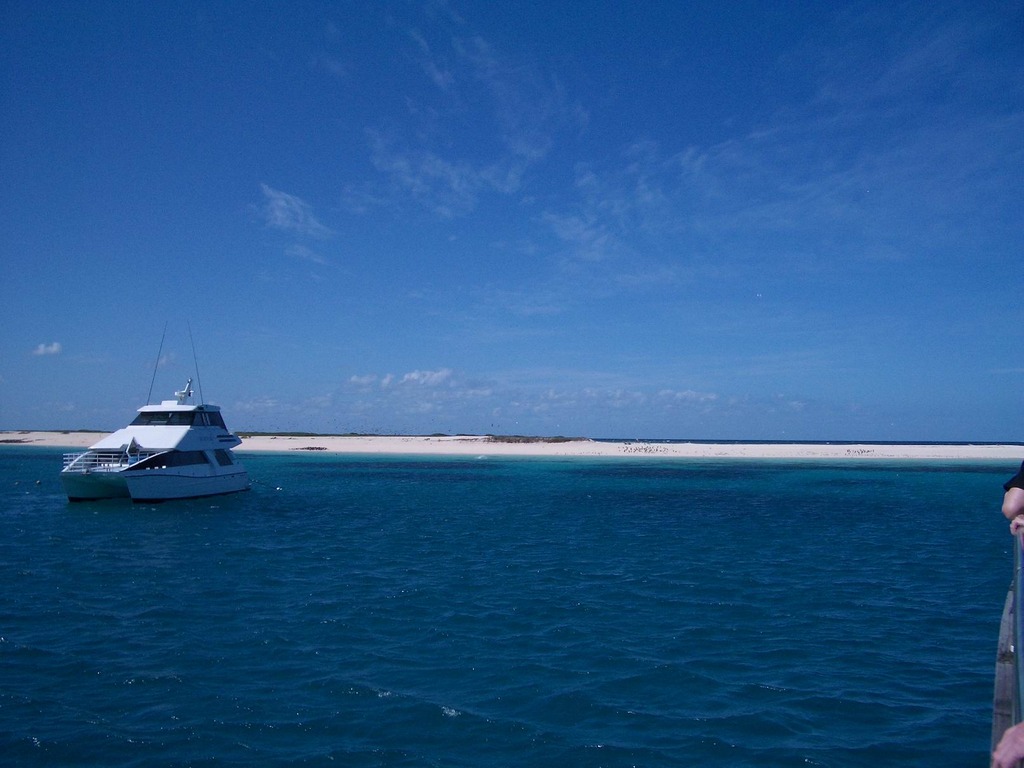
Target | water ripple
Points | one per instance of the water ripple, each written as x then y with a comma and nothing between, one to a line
461,613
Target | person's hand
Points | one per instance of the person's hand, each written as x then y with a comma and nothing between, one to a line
1017,524
1010,749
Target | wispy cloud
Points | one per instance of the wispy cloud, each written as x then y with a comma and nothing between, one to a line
446,188
53,348
430,158
304,253
895,160
435,71
290,213
527,107
331,65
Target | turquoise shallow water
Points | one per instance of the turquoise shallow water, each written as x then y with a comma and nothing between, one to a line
376,611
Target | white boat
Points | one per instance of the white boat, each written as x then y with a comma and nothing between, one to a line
174,450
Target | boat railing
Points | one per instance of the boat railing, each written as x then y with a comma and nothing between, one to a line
1009,682
91,461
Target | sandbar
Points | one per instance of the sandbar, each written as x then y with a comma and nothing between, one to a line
478,445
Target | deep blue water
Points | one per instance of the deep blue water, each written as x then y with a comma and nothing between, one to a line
370,611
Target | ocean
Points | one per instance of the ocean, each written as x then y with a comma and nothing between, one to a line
383,611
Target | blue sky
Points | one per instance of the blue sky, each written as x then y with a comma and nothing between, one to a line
669,220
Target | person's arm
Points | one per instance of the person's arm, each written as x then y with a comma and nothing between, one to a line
1010,749
1013,508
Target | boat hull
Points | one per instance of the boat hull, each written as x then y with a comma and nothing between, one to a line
152,484
155,485
91,486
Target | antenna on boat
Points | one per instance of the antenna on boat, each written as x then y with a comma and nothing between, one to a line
195,360
185,393
156,364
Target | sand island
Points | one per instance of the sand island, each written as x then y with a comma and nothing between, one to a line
497,445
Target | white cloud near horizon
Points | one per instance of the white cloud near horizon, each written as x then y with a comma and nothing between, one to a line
424,378
453,396
444,400
53,348
428,378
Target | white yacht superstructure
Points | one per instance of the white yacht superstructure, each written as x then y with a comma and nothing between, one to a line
174,450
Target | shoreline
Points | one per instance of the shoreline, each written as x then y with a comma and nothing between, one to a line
480,445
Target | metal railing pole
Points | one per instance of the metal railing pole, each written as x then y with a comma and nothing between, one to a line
1006,699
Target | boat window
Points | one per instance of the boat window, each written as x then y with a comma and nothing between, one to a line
172,459
223,457
216,420
170,418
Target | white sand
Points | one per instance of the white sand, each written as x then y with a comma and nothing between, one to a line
483,446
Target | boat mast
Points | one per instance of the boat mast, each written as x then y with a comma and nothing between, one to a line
195,360
156,364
